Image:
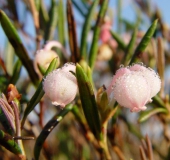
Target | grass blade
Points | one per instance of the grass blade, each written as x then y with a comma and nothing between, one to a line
144,42
48,128
20,50
118,39
61,23
143,117
88,101
9,143
86,29
130,47
51,25
94,46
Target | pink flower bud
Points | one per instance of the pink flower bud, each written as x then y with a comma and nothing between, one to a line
104,53
133,87
105,35
61,85
43,58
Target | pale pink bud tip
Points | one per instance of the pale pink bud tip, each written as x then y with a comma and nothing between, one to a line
43,58
61,85
134,86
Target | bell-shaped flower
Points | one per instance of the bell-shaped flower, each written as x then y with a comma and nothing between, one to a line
133,87
43,58
61,85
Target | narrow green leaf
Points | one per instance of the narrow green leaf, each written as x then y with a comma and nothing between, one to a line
78,115
39,92
86,29
61,23
119,11
145,40
41,69
94,45
130,47
16,72
37,4
128,25
9,143
48,129
87,70
145,115
118,39
158,101
88,101
43,16
20,50
51,25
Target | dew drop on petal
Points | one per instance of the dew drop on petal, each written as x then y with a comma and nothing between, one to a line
121,66
140,63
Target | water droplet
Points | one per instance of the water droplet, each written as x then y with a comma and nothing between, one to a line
128,67
150,69
121,66
141,63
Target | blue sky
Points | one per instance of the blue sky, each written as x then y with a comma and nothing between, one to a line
127,13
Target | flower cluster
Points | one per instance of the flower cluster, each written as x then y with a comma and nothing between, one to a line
61,85
134,86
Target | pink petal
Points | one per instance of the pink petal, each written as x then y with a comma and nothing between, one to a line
151,77
118,74
132,91
105,36
137,67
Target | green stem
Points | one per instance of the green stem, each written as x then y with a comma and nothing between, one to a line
103,141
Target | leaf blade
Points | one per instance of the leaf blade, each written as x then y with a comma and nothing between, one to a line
145,40
9,143
150,113
94,46
88,101
48,128
86,29
16,42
